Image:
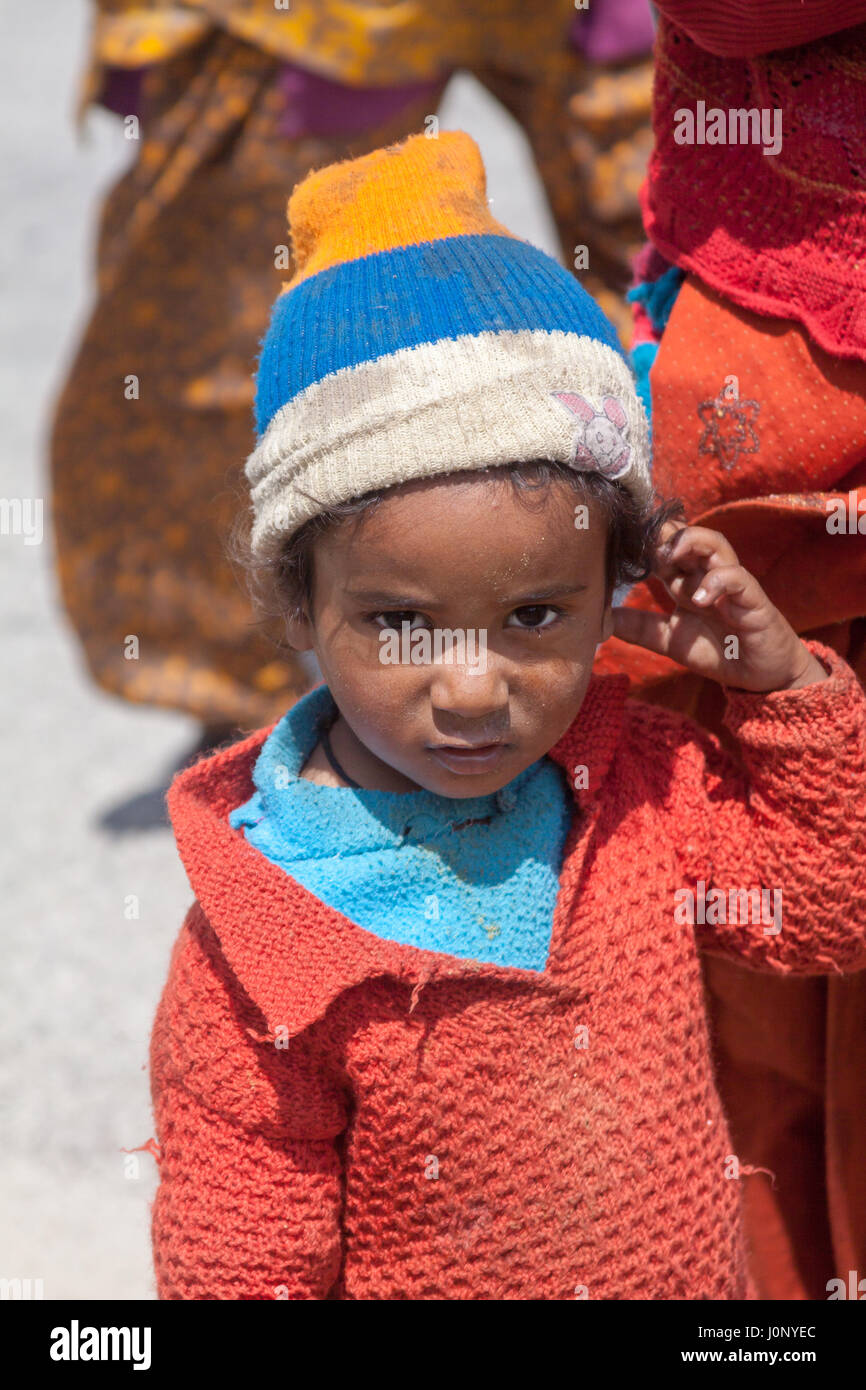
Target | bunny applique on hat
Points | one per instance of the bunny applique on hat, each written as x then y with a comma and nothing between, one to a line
600,442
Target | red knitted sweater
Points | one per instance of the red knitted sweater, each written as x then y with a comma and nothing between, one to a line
438,1128
780,234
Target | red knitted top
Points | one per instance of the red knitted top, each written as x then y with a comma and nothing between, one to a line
778,234
438,1128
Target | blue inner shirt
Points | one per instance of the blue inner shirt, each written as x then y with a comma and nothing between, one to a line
405,865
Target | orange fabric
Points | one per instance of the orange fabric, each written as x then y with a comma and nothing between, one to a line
365,43
763,468
369,43
790,1055
359,206
798,427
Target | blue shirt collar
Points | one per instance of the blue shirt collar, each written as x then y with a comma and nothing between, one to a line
305,814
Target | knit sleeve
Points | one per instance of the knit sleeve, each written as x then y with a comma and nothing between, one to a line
249,1198
746,28
775,850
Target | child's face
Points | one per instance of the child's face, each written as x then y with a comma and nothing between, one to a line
463,554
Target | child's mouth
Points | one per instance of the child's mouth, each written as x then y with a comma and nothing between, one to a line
467,758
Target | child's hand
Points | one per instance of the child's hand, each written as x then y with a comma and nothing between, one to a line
724,626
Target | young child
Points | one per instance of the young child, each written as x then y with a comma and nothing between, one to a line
434,1027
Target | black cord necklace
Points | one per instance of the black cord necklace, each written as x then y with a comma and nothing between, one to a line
324,736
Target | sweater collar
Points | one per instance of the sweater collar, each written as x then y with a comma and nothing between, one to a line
292,953
346,821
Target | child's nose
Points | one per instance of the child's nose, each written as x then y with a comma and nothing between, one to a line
470,692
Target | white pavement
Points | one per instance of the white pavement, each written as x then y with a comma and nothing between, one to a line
80,979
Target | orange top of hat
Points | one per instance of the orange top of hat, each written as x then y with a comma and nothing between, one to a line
422,189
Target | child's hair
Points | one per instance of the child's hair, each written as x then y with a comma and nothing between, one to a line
283,587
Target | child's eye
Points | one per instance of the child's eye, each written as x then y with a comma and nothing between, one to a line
396,619
532,616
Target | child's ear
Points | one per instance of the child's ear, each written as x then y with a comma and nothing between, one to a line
299,631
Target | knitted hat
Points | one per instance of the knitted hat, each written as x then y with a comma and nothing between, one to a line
418,336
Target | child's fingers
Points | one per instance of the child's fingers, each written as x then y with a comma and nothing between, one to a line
643,629
692,548
683,587
670,529
657,631
698,543
730,581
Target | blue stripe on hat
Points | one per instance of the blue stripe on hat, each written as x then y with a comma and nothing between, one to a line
364,309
